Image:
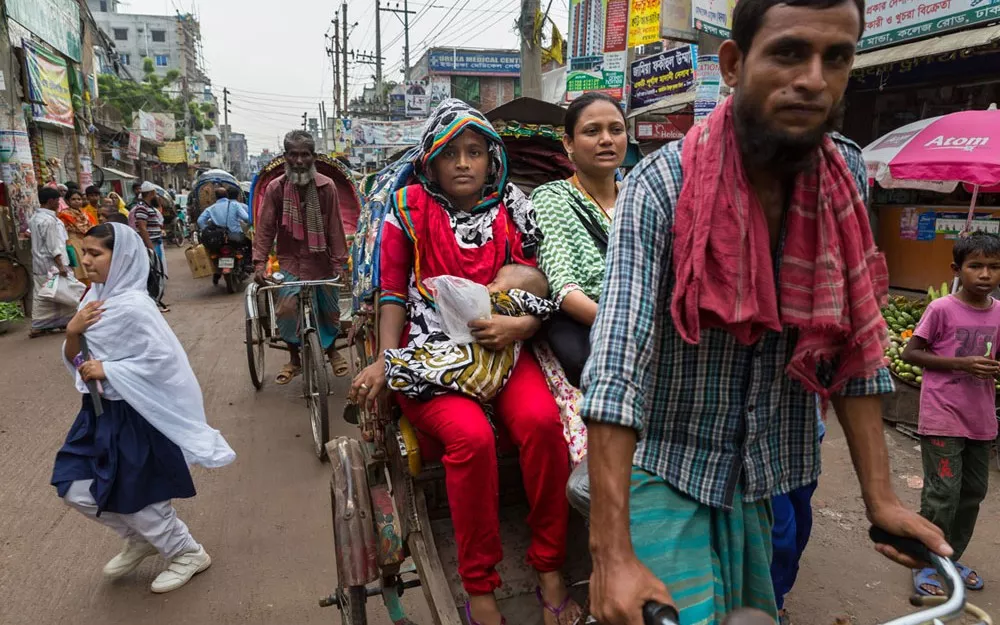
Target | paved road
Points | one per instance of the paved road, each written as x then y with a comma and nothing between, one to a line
266,520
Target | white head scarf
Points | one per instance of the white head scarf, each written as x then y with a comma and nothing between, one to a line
144,361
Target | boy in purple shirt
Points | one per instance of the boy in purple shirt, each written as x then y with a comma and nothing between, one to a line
956,344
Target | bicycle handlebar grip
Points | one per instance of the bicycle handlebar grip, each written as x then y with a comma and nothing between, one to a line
654,613
909,546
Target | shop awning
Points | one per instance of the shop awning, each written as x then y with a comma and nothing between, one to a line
114,173
669,104
929,47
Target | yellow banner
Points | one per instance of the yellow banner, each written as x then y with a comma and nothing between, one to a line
643,22
172,152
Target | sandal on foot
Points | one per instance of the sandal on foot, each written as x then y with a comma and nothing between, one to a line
924,583
286,374
568,612
339,365
966,573
468,616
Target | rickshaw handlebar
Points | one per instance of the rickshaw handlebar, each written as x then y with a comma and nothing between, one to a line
654,613
953,581
300,283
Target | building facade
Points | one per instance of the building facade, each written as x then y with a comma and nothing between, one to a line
483,78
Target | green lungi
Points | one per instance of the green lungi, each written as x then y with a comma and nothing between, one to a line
712,561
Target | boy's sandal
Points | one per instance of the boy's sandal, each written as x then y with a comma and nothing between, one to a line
966,573
568,612
286,374
468,616
925,584
339,365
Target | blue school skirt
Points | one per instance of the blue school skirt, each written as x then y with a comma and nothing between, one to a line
132,464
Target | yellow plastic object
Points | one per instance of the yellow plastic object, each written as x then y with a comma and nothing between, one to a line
412,446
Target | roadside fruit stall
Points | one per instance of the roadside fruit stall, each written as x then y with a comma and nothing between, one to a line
902,314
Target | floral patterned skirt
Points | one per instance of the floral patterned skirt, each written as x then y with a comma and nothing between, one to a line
568,398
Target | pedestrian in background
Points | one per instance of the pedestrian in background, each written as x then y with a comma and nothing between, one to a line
956,345
127,454
48,254
92,208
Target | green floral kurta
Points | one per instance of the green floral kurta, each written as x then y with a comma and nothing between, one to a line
568,255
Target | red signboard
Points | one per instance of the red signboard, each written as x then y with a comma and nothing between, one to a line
616,26
674,128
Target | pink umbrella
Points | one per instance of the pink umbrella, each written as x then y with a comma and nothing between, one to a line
938,153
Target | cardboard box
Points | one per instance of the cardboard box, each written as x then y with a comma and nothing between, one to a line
198,261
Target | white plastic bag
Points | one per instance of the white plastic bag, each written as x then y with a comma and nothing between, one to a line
459,301
64,290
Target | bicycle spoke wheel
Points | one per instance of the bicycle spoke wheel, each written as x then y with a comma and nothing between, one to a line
317,391
255,352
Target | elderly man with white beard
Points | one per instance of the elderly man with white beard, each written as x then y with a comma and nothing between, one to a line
301,211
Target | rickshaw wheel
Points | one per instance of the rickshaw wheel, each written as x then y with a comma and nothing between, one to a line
352,606
255,352
317,391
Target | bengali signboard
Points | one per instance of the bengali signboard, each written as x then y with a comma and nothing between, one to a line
708,86
606,76
417,99
56,22
368,133
133,145
662,75
671,130
616,25
893,21
675,20
643,22
714,17
48,86
166,126
473,63
172,152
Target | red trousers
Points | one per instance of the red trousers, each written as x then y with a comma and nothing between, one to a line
526,409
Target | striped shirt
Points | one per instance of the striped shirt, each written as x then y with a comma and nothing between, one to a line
711,416
154,221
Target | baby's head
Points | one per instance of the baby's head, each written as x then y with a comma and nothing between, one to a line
748,617
521,277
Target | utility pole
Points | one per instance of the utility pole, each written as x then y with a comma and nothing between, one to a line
531,50
225,132
405,12
304,126
334,54
343,49
378,52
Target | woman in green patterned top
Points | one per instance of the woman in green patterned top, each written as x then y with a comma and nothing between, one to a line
575,214
575,218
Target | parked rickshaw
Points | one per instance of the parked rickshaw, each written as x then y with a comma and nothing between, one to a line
392,526
261,321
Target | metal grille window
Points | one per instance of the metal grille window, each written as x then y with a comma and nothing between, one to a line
125,58
121,34
162,60
159,36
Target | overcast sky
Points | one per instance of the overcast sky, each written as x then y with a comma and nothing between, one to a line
272,54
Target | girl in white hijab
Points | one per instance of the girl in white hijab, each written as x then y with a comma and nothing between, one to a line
123,466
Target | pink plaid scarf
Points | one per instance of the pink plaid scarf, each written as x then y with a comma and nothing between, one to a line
311,230
832,278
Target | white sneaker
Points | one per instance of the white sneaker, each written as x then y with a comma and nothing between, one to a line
181,569
131,556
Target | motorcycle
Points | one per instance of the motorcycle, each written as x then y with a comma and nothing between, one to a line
232,263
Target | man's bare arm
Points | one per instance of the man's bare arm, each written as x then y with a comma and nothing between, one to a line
861,419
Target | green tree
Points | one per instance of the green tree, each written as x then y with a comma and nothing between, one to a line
151,94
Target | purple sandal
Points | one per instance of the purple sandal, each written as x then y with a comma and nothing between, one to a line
568,612
468,615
